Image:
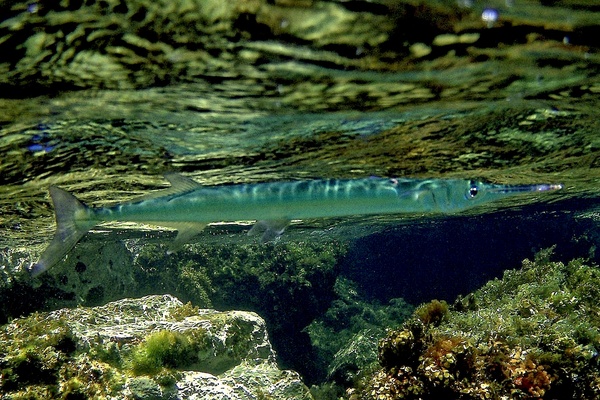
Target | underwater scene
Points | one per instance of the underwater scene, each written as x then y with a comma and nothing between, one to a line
299,199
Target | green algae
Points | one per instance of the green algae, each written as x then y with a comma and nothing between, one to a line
532,334
184,311
40,359
288,283
266,278
162,349
276,280
165,351
180,274
33,351
345,337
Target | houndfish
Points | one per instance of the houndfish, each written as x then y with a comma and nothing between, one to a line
189,206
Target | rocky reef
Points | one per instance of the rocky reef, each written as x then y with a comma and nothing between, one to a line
532,334
288,284
154,347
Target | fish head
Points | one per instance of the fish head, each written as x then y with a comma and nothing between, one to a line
474,192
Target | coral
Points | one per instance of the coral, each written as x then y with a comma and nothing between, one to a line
533,334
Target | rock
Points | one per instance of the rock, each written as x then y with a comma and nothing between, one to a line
154,347
265,378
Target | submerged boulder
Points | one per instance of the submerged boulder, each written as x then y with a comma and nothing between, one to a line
154,347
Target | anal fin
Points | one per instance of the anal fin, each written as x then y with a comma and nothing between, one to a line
270,229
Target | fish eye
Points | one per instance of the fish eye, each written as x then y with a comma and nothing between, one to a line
473,191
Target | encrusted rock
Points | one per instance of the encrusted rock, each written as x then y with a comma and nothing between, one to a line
154,347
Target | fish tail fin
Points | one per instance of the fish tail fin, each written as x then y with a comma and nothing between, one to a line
70,227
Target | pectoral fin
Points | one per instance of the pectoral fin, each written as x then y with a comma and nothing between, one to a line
270,229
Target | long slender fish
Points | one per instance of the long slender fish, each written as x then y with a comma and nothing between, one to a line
189,206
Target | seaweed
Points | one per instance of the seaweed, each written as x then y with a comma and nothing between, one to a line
532,334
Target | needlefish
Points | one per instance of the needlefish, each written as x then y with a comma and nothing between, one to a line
189,206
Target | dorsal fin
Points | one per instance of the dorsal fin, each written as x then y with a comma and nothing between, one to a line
179,184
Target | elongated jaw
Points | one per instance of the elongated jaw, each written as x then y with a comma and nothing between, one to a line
545,187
